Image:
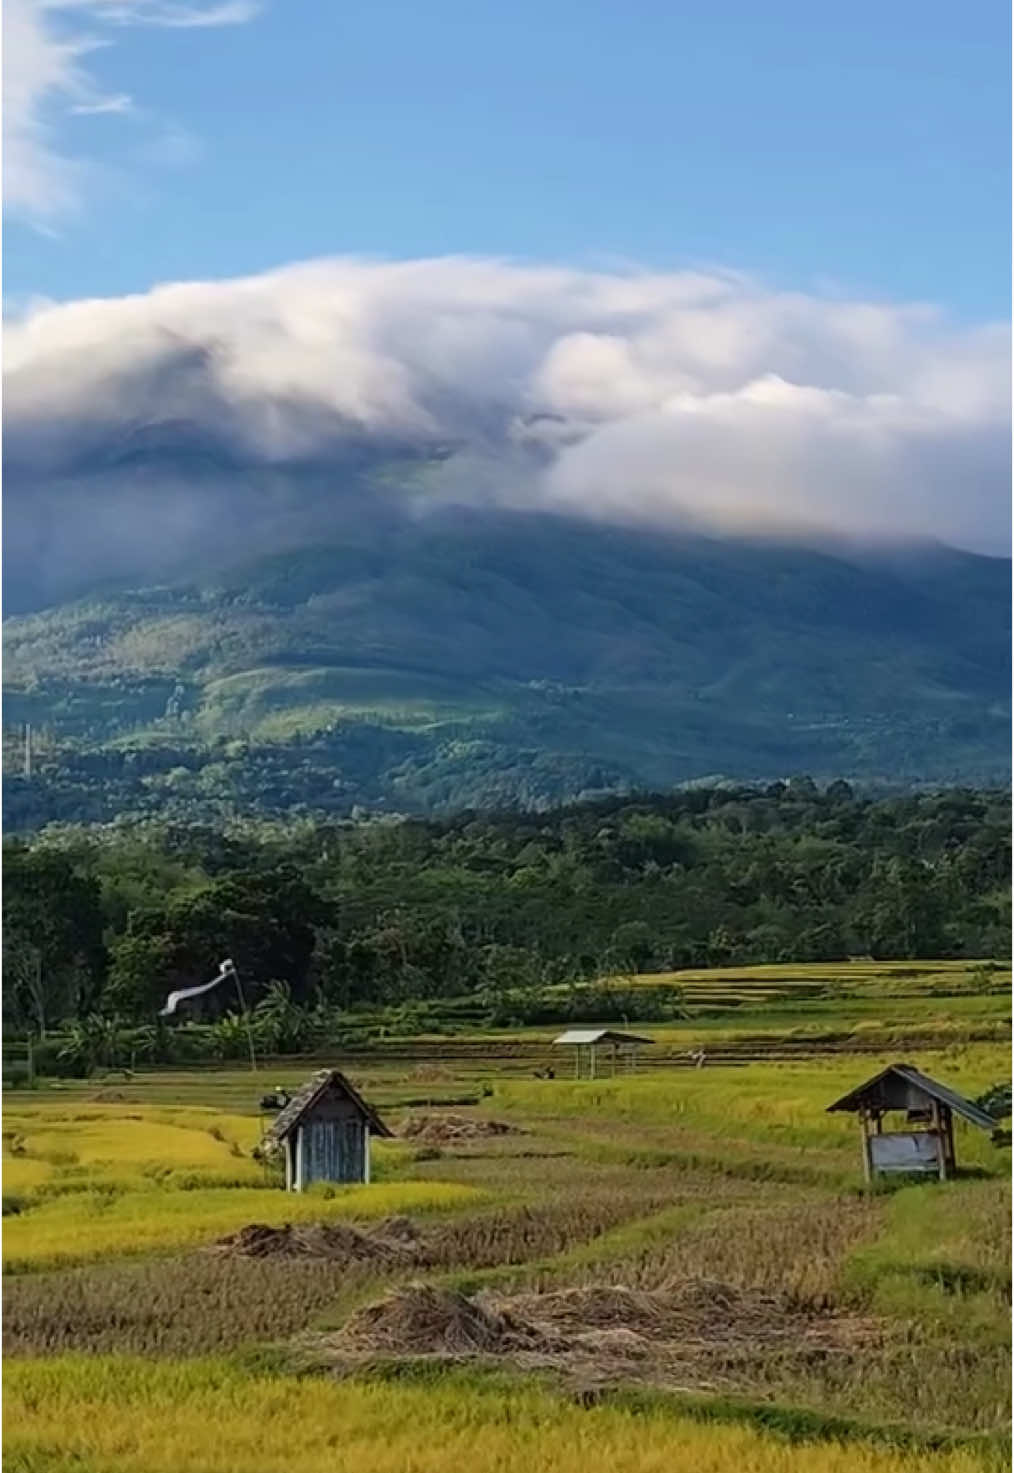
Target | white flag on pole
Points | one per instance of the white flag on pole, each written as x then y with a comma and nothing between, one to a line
184,993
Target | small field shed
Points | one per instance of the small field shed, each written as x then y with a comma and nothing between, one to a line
325,1132
585,1042
927,1147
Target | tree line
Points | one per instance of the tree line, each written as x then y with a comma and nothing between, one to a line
386,919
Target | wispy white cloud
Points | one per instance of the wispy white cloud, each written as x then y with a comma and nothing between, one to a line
167,13
47,81
120,102
668,399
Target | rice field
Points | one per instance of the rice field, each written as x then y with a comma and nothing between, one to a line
674,1269
767,1120
818,1007
126,1415
85,1226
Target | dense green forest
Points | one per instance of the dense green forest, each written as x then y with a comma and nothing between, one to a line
330,920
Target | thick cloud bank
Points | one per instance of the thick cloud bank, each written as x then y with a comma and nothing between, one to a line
671,399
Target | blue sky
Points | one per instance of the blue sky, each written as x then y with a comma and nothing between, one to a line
861,149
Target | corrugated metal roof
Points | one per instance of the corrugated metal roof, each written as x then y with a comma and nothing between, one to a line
599,1035
939,1092
288,1118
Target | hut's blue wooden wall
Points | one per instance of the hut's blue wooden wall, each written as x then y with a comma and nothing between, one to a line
333,1150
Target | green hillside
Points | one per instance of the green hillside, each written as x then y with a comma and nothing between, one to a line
481,659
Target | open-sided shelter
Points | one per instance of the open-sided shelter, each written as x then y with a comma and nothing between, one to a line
325,1132
927,1146
620,1045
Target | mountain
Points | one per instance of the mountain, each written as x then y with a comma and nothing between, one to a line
472,656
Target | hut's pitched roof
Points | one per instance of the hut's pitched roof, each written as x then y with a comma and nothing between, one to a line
288,1118
855,1099
599,1035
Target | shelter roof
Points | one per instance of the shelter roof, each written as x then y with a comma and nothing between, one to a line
308,1095
599,1035
858,1097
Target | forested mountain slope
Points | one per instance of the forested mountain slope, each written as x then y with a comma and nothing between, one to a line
478,657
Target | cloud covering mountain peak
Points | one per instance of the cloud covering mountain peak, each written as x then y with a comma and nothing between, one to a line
666,398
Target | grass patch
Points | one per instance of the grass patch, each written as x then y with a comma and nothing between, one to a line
943,1255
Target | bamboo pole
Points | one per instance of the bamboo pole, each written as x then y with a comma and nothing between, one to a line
229,966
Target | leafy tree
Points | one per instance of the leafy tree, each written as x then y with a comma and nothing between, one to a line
632,945
54,956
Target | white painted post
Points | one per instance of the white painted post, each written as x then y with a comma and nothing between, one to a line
366,1154
299,1158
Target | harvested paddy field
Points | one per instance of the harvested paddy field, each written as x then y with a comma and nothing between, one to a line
392,1241
696,1334
445,1130
625,1273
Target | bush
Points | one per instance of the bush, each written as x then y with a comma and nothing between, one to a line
996,1101
49,1060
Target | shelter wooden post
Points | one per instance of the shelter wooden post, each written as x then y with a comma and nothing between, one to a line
940,1131
591,1062
947,1116
864,1126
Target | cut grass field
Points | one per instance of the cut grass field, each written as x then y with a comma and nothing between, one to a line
862,1330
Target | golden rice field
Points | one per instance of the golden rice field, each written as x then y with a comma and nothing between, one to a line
824,1327
80,1227
857,1002
117,1415
106,1182
842,973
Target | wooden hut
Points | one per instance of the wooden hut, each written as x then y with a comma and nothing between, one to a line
620,1045
325,1130
927,1146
